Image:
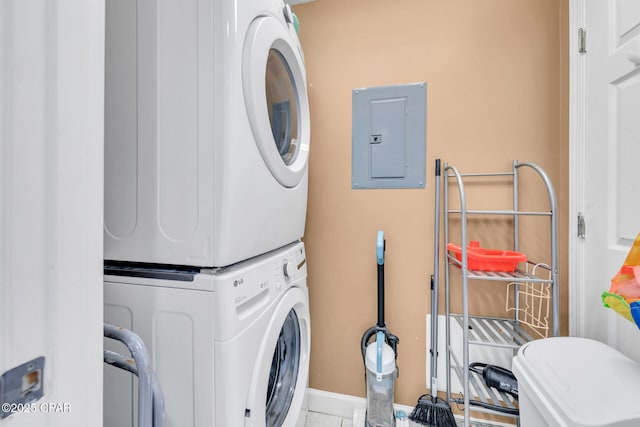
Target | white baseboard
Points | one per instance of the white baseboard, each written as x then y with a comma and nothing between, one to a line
342,405
326,402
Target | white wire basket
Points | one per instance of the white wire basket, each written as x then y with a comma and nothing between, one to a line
531,302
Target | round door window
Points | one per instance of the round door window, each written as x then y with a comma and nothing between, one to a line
275,95
284,371
282,106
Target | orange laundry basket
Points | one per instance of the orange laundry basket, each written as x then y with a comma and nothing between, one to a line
488,259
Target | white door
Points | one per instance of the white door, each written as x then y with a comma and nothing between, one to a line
51,157
611,170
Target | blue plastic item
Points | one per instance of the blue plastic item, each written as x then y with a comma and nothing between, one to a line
296,23
380,247
635,312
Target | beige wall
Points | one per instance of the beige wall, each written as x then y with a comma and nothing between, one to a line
497,79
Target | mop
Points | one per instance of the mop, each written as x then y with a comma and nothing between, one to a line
432,410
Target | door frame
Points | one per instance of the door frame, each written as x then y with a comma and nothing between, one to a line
577,165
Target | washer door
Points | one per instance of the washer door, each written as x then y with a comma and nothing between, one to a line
275,94
281,372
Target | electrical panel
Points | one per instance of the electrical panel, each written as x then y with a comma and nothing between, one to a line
389,136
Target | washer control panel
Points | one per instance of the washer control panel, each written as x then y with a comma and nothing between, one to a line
243,291
263,278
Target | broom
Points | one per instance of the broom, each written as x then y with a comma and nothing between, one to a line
432,410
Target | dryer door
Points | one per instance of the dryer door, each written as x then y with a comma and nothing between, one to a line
279,378
275,94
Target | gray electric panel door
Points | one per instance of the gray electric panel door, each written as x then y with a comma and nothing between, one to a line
389,136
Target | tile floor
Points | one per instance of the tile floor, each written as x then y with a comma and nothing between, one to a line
315,419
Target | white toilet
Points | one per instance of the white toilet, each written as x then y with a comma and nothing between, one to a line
576,382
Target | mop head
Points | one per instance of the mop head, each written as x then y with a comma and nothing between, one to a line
434,412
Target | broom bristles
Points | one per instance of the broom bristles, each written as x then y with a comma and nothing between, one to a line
432,412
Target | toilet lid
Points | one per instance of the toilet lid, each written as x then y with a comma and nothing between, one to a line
586,382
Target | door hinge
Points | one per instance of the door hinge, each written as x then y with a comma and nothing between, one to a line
581,226
582,40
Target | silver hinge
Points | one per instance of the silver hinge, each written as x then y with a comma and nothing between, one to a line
582,40
581,226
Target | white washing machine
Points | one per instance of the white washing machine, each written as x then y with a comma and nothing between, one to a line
206,131
230,346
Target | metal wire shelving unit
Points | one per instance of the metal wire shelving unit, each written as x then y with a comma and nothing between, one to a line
507,332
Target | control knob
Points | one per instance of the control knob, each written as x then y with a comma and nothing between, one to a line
288,269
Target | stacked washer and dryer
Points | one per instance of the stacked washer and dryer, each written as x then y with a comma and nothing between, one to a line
206,149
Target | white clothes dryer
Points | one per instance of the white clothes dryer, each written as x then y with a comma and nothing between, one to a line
230,347
206,131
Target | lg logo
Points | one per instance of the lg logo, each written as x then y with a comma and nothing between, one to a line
238,282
